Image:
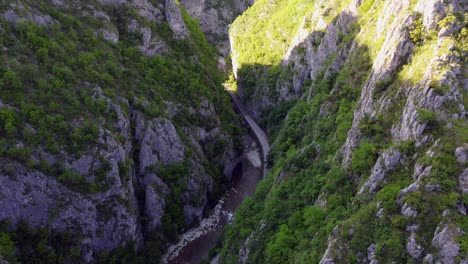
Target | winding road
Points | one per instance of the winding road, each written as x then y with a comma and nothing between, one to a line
195,244
259,134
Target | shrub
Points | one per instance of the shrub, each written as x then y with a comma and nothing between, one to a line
407,147
364,158
382,84
7,247
416,32
429,117
439,89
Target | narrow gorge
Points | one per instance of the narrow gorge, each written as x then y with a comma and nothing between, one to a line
234,131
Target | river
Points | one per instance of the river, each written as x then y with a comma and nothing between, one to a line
195,244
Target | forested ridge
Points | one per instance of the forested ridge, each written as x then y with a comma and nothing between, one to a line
117,137
365,105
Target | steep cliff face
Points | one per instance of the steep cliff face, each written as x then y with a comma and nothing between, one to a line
365,102
115,130
215,18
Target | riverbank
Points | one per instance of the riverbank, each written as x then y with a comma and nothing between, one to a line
195,244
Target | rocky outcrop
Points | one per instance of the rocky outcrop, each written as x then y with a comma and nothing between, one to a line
19,12
108,35
413,248
103,219
160,143
155,203
463,180
332,253
410,95
110,193
445,241
462,155
175,20
386,162
215,19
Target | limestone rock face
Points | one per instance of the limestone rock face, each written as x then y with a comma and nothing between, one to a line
385,163
110,36
413,248
463,179
175,20
104,222
156,190
462,155
371,254
215,17
445,240
119,185
160,143
412,88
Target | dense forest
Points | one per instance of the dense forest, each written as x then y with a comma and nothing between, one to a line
115,130
365,105
117,136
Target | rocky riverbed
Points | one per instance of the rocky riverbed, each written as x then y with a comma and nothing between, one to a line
195,244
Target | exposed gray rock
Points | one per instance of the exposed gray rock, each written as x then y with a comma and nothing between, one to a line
461,208
419,173
245,250
429,259
412,228
431,11
35,198
380,213
108,35
406,210
215,19
198,185
100,15
83,165
160,143
394,51
58,3
371,254
152,45
33,16
386,162
414,249
462,155
333,248
445,241
432,187
148,10
110,218
175,20
463,180
41,20
113,2
321,202
11,16
155,203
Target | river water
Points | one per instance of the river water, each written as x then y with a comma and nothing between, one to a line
195,244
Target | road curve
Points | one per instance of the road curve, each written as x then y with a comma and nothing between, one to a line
255,129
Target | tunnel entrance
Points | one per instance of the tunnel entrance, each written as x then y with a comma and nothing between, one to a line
237,173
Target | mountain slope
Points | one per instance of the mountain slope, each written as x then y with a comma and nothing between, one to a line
115,131
365,103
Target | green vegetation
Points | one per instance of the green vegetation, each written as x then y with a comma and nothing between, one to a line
37,245
309,197
364,158
58,88
263,33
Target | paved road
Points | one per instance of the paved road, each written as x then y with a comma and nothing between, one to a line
256,130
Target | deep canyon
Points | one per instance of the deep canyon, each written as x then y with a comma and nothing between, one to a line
234,131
